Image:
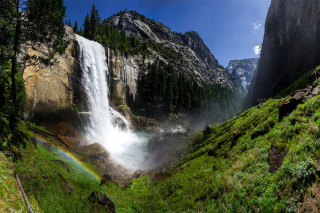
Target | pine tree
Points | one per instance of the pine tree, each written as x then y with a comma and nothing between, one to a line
32,21
86,27
94,22
75,28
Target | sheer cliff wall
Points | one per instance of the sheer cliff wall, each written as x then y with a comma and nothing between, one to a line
291,47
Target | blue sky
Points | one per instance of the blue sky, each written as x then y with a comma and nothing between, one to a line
230,28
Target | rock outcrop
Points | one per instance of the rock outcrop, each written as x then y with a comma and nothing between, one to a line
123,75
193,57
243,71
291,47
52,90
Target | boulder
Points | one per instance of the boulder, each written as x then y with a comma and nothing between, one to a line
69,141
120,123
105,179
315,91
160,176
138,173
126,112
104,200
95,150
207,131
144,122
292,103
276,158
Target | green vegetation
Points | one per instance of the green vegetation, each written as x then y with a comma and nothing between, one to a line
227,175
123,107
42,170
227,171
29,22
5,88
302,82
159,87
9,191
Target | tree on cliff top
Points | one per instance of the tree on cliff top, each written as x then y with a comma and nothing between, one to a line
31,22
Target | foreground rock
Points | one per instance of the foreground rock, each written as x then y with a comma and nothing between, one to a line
138,173
144,123
276,158
95,150
291,104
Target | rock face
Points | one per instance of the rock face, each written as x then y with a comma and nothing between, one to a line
291,47
243,70
52,90
194,58
123,75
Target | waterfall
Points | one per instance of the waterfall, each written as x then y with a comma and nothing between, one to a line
124,146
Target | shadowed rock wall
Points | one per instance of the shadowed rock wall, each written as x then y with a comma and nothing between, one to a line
291,47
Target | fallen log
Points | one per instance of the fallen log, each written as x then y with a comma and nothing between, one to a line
23,194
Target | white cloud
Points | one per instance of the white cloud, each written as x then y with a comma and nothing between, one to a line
256,25
257,49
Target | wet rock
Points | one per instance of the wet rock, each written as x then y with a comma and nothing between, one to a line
95,150
120,123
144,122
275,159
138,173
160,176
292,103
128,115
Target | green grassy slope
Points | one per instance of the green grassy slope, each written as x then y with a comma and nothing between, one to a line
235,176
227,172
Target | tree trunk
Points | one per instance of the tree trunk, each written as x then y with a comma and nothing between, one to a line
13,112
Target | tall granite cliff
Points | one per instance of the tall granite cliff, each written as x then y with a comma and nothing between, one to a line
243,70
194,58
291,47
52,91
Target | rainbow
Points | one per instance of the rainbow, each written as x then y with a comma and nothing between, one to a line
71,156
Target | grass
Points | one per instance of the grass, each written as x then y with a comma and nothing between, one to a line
123,107
225,172
10,199
239,181
301,83
39,170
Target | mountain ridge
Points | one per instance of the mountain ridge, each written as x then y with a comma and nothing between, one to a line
194,58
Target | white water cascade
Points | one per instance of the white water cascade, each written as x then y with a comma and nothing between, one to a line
124,146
